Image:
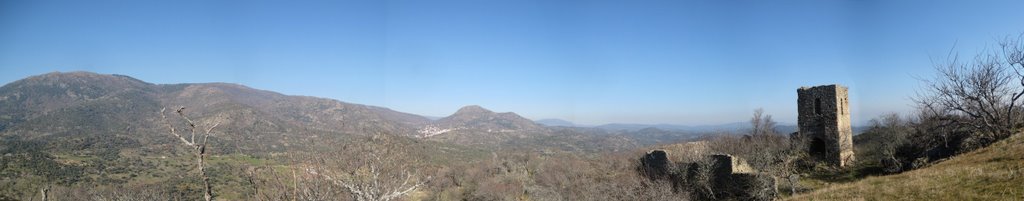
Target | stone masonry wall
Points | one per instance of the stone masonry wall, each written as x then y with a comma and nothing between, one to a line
824,122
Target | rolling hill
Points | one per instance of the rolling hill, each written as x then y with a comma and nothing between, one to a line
61,108
555,122
66,106
990,173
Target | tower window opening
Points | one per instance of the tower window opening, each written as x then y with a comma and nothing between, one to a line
817,106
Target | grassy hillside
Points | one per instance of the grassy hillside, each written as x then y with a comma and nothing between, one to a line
992,173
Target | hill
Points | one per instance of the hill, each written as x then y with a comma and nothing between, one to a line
476,125
476,117
65,108
97,131
556,122
735,128
990,173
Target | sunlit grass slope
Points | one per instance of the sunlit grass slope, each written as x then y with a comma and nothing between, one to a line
992,173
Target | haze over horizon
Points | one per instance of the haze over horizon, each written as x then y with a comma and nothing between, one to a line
689,63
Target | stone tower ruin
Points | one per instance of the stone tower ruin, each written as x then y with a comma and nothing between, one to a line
824,121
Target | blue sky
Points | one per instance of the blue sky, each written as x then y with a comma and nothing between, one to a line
591,62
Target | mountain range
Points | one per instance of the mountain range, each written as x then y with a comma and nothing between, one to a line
82,106
68,106
726,128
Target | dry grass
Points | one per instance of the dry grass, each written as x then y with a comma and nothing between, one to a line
992,173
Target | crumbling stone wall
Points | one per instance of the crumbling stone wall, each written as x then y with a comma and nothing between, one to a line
731,178
735,179
824,123
655,165
726,164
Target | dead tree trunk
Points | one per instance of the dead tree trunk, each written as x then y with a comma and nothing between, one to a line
201,154
45,191
198,148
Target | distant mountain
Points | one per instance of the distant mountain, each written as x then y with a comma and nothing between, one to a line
679,130
476,125
99,130
433,118
791,128
652,136
555,122
735,127
67,108
72,106
729,127
477,117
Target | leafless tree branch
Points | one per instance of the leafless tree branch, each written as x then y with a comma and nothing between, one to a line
199,149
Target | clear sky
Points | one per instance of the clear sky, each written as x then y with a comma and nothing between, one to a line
590,62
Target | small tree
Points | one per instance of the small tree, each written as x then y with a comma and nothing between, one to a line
762,124
893,131
765,148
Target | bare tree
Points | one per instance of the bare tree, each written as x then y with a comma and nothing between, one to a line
699,176
893,130
44,192
376,170
765,149
982,94
381,172
1013,54
269,184
762,124
198,148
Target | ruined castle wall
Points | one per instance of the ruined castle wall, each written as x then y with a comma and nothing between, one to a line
655,165
844,128
735,179
731,177
729,164
824,121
